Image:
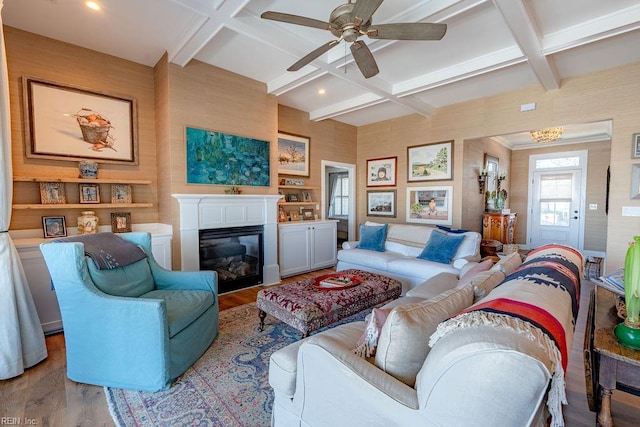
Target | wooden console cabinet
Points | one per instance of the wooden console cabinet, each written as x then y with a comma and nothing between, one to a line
499,226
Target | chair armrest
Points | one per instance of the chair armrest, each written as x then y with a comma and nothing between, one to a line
183,280
352,244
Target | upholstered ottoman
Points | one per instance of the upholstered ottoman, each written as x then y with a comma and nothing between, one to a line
309,308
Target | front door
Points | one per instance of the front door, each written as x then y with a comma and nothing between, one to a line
557,192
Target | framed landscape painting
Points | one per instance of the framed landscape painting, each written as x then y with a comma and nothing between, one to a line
430,205
430,162
381,203
223,159
293,154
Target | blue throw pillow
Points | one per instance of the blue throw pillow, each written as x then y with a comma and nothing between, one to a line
372,237
441,247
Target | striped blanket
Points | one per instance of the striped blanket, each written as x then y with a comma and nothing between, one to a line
539,299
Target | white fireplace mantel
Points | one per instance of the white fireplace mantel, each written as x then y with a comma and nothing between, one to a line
208,211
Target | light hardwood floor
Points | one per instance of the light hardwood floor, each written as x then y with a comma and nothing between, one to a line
44,396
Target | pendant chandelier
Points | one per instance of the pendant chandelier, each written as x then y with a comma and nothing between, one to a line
546,135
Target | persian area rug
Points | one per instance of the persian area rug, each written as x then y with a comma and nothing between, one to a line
227,386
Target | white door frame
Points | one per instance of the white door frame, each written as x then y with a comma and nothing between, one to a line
583,154
351,169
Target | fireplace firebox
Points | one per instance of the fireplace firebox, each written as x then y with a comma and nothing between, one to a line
235,253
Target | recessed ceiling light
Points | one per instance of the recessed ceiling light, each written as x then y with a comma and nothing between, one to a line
321,91
93,5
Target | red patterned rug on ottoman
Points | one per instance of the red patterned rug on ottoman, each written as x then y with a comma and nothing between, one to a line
308,305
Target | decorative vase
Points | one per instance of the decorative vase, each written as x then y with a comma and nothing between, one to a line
627,335
499,203
87,223
491,204
88,169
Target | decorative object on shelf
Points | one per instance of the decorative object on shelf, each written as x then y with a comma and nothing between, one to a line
306,196
233,190
52,193
546,135
294,216
89,193
382,172
120,193
282,215
54,226
121,222
381,203
293,154
636,146
430,205
628,332
225,159
430,162
93,135
291,181
88,223
482,179
88,169
293,197
308,214
496,199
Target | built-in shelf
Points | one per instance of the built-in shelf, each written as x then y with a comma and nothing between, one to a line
298,187
297,203
85,180
85,206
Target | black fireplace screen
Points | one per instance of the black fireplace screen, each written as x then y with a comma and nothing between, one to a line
235,253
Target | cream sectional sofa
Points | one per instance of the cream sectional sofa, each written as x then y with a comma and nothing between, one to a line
402,245
449,360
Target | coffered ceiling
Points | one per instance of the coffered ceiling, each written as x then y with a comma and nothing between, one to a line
490,47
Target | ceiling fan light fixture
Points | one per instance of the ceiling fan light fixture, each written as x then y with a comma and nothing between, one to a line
546,135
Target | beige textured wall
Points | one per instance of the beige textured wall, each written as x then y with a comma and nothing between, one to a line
609,94
46,59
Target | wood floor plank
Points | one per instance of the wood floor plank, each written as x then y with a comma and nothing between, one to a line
44,394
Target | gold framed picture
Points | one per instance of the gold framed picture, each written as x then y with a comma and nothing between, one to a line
308,214
89,193
120,193
52,193
121,222
294,215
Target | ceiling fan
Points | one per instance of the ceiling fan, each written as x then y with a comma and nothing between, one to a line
352,20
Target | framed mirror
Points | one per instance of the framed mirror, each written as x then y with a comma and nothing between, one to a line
491,164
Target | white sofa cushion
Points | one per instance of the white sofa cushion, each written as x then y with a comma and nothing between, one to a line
403,342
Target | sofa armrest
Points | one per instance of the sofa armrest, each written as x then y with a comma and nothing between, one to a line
371,378
352,244
434,286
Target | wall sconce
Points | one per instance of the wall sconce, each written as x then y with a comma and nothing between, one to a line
501,177
482,180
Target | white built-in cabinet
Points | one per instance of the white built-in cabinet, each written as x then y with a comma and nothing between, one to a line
306,245
39,281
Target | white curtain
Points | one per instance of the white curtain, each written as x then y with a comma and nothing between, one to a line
21,338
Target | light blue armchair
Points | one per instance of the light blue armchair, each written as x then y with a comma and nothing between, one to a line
135,327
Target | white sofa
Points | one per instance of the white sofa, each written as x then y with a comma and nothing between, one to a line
403,243
500,371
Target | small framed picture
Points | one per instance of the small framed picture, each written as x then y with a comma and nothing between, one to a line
54,226
121,222
381,203
294,215
52,193
293,197
120,193
308,215
382,172
636,146
282,216
89,193
306,196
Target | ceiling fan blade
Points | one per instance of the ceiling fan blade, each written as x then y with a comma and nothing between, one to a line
364,59
408,31
313,55
298,20
363,10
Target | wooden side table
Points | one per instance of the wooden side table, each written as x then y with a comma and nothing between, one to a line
499,226
608,364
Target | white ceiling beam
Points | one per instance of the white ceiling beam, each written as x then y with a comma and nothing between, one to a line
600,28
526,35
347,106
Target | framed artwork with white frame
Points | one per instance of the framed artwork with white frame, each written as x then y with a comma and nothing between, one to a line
430,205
382,172
636,146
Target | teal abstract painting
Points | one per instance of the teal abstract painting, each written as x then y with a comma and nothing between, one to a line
223,159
